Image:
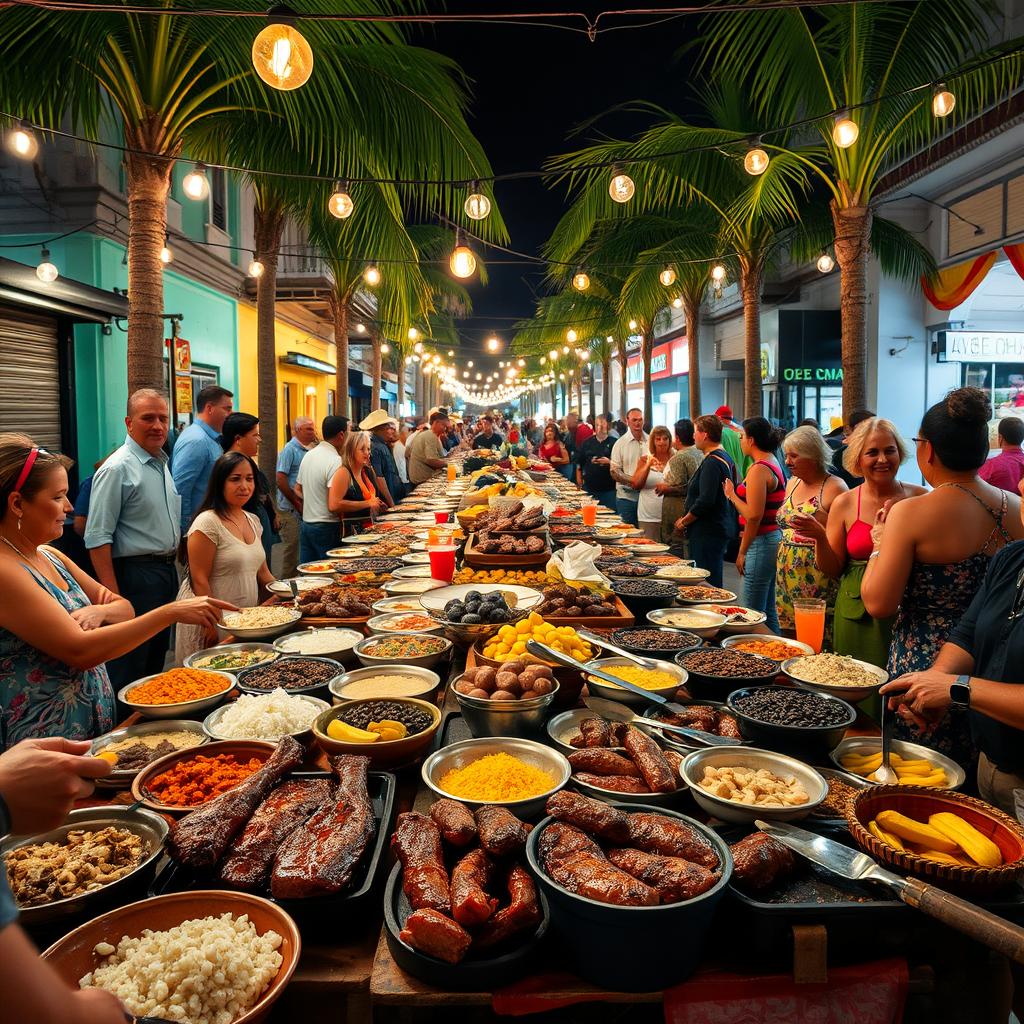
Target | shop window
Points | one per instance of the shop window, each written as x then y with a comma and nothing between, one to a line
310,403
218,199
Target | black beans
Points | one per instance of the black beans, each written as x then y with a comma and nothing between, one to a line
645,588
291,674
791,707
728,663
413,718
632,569
655,639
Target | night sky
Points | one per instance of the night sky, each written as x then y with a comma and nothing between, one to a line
532,87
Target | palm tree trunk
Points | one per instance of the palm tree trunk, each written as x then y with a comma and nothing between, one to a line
692,312
579,390
853,246
750,287
149,183
646,347
418,389
378,369
623,389
593,392
340,309
268,225
554,399
606,384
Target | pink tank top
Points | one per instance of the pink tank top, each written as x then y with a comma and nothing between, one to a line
858,537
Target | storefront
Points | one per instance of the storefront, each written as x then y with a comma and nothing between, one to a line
801,368
670,364
990,360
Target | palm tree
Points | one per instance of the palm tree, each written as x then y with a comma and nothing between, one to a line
863,57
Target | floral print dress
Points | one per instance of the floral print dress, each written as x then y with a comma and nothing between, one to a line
796,574
42,696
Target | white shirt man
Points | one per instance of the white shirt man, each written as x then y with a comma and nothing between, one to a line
321,528
626,454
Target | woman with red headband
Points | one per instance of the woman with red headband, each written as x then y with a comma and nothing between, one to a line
57,624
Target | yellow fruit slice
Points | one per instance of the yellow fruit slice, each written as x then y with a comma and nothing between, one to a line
345,733
886,837
978,847
914,831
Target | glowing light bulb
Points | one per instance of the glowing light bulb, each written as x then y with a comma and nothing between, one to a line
633,325
256,268
462,261
479,376
360,328
943,101
522,362
385,349
845,130
718,273
195,184
280,53
470,364
477,205
677,303
667,277
570,336
465,373
755,161
340,204
436,360
580,281
825,263
21,142
621,188
371,276
46,271
166,253
561,376
493,344
543,360
451,352
581,353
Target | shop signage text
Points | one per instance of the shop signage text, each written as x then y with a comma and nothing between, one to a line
796,374
664,362
982,346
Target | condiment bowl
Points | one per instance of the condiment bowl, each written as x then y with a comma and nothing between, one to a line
409,605
238,749
851,693
261,632
812,742
667,634
74,955
342,651
706,684
150,827
386,623
458,755
382,753
426,681
178,708
599,688
226,650
745,638
213,727
120,778
365,648
707,624
692,771
955,775
567,724
312,690
522,718
664,596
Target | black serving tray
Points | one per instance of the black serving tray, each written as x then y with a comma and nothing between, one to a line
356,900
506,963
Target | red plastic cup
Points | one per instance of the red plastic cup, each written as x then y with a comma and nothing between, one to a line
442,561
440,518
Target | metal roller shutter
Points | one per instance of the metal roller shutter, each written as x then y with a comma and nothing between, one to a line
30,376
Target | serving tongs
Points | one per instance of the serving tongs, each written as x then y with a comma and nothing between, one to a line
884,775
294,588
600,641
616,712
980,925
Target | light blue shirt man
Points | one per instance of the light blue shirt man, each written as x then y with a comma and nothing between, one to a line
134,506
195,452
288,461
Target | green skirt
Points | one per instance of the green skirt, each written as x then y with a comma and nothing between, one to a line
856,633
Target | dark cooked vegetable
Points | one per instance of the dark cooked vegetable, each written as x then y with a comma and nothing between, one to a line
712,661
291,674
780,706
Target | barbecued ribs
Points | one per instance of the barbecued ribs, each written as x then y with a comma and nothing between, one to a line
758,860
417,842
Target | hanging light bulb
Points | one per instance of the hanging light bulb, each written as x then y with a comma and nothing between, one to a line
462,261
718,273
256,268
195,184
371,276
825,263
580,281
477,205
340,204
755,161
46,271
522,362
570,336
943,101
543,360
621,187
451,353
493,344
22,143
633,325
166,253
845,130
385,349
360,328
436,360
479,376
667,277
677,303
465,373
280,53
470,364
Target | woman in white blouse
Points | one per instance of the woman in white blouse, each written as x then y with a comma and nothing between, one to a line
223,550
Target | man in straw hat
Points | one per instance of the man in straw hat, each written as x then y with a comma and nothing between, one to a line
383,428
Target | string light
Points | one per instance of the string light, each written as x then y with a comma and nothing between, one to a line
413,335
580,281
667,277
256,268
46,271
462,261
826,263
543,360
166,253
522,362
845,130
943,101
470,364
360,328
633,325
677,303
340,204
451,353
718,273
493,344
621,188
22,143
371,276
570,336
280,53
755,161
195,184
385,349
477,205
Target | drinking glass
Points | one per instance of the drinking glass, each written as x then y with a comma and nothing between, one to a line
442,561
589,513
809,615
440,518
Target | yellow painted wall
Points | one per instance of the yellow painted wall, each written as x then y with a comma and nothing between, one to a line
298,380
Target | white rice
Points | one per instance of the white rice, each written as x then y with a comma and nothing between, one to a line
207,970
268,716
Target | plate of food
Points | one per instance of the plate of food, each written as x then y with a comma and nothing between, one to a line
325,567
132,747
702,594
232,657
176,692
302,583
258,623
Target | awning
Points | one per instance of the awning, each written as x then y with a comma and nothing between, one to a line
81,303
955,284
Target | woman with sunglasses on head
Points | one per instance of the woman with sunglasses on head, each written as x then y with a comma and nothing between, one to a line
931,553
58,626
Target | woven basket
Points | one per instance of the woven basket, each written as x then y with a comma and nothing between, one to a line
918,803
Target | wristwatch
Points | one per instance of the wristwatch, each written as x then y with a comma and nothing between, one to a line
960,692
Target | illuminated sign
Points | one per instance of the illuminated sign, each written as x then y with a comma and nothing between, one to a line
814,374
982,346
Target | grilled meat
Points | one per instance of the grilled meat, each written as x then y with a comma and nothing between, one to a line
589,815
501,832
455,821
658,833
474,878
654,769
595,878
759,860
615,783
595,732
603,762
522,912
559,840
674,878
417,842
438,936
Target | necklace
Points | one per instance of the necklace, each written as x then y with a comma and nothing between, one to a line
21,554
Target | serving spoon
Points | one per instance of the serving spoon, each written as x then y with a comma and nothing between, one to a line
599,641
